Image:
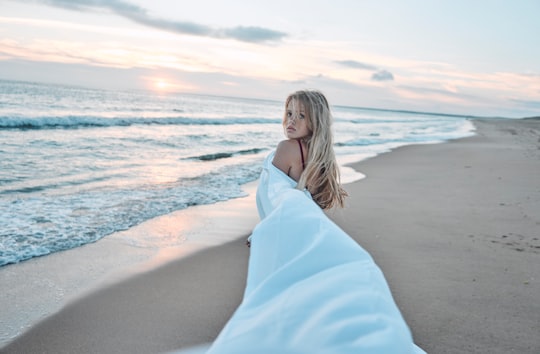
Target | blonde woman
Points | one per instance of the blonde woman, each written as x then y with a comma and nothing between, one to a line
310,288
308,154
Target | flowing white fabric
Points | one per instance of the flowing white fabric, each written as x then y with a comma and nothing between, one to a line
310,287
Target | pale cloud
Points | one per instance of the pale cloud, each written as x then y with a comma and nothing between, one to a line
71,26
378,75
355,64
382,75
110,53
275,67
140,15
42,50
204,63
123,48
498,85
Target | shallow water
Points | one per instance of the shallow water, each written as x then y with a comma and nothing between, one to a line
79,164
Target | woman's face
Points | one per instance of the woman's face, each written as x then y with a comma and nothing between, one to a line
295,123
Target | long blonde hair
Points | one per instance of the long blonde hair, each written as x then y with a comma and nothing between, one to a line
321,173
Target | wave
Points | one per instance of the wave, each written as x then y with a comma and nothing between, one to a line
401,111
55,185
75,122
364,142
224,155
414,138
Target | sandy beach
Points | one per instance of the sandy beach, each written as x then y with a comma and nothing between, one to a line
455,227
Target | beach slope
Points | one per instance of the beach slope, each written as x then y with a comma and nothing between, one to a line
455,228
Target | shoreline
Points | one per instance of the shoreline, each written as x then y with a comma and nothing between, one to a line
381,245
54,281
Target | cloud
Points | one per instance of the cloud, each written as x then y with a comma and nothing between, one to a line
252,34
378,75
135,13
355,64
81,74
382,75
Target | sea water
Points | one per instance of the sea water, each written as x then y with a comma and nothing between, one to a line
78,164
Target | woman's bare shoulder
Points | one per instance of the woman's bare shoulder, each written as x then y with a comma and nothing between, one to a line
286,155
287,146
285,151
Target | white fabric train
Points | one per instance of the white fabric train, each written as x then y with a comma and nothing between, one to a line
310,287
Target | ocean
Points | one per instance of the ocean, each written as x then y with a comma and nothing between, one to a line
78,164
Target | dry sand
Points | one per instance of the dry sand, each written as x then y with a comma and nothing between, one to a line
454,226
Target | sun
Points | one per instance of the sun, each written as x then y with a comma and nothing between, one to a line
162,85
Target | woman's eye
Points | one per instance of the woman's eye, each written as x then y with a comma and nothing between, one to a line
289,114
302,116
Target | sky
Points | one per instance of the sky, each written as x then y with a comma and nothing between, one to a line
478,57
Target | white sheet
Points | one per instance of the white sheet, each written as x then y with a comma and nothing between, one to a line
310,287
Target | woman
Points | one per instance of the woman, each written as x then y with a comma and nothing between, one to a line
307,157
310,287
312,163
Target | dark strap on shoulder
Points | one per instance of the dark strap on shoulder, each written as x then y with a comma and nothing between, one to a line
301,153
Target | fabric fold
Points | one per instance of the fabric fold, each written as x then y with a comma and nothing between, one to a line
310,287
